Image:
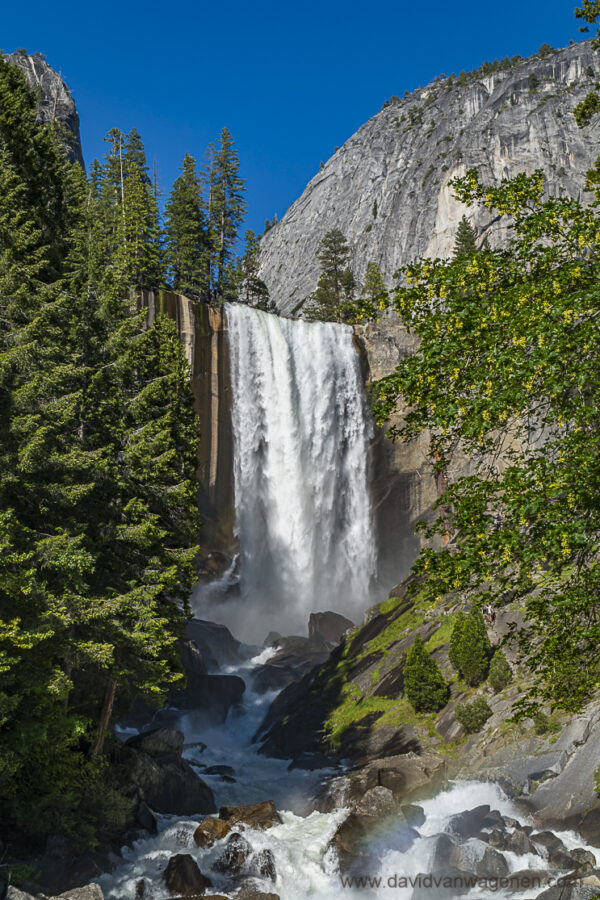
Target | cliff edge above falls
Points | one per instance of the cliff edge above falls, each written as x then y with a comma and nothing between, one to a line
55,101
388,187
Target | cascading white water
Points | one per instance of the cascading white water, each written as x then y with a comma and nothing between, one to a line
301,448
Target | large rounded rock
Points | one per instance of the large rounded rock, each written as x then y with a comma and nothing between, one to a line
158,742
256,815
235,854
491,865
183,877
170,785
518,842
263,863
469,823
378,801
209,831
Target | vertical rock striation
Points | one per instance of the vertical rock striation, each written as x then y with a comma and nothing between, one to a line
55,101
388,188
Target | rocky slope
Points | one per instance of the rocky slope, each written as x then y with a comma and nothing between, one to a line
55,101
388,187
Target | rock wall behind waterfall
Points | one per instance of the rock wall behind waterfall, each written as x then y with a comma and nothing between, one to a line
388,187
202,330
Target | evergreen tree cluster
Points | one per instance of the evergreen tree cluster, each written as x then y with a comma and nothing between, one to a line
337,297
194,251
98,444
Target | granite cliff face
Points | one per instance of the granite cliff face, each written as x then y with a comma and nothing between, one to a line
388,187
55,103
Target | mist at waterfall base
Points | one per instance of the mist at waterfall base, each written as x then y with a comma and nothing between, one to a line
304,519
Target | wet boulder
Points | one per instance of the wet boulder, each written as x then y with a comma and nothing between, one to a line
577,891
209,831
215,642
413,814
469,823
518,842
158,742
255,815
252,891
328,626
491,865
235,855
183,877
169,784
263,864
584,860
378,802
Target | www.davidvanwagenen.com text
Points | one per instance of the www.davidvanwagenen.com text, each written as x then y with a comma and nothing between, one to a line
462,883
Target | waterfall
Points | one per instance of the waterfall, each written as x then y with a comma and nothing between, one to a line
301,448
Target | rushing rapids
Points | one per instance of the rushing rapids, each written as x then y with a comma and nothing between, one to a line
301,432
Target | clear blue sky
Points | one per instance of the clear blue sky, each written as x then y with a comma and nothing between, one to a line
289,80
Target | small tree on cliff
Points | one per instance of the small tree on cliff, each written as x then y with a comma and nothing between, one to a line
424,683
254,291
470,648
465,244
333,297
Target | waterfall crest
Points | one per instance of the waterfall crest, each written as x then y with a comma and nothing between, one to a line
301,447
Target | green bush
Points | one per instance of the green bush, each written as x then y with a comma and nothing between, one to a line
474,715
424,684
500,674
543,724
470,647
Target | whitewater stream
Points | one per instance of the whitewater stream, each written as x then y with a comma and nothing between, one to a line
304,523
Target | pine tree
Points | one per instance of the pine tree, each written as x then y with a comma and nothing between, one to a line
374,295
470,648
255,291
226,208
185,230
424,683
500,674
333,296
465,244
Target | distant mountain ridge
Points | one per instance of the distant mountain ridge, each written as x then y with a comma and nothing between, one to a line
387,188
56,102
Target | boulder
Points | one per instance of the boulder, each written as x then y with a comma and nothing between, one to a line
491,865
589,826
86,892
209,831
414,815
213,694
183,877
145,818
263,864
170,785
377,801
328,626
256,815
235,854
355,841
158,742
469,823
215,642
584,860
450,883
251,891
519,842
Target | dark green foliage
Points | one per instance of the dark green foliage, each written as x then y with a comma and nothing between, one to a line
589,11
543,724
500,674
585,111
473,716
465,243
98,443
185,232
470,648
424,683
254,291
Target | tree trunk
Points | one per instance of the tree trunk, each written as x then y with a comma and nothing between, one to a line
105,716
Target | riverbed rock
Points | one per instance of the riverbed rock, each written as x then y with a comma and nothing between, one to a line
491,865
209,831
413,814
577,891
213,694
234,856
215,642
256,815
169,784
251,891
158,742
467,824
263,863
328,626
377,801
85,892
518,842
184,878
146,818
